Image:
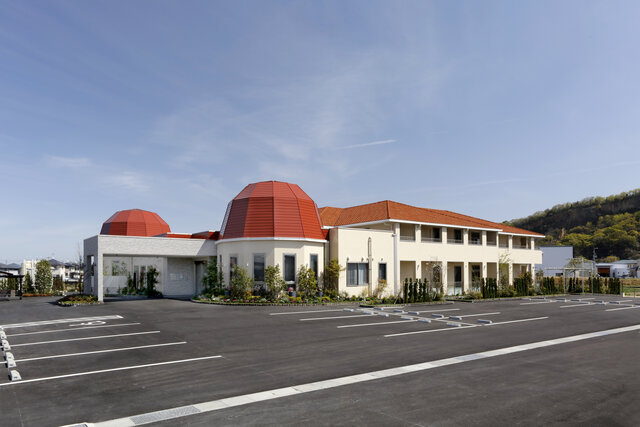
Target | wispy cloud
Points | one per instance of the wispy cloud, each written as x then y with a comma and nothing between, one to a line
367,144
68,162
128,181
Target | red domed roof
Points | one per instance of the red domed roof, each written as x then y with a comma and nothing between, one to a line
135,222
272,209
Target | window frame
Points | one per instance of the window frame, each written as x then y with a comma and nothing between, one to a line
358,278
291,283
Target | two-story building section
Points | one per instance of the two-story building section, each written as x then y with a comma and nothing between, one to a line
393,241
277,223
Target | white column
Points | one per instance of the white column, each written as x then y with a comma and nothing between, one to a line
484,270
443,233
396,260
510,270
532,243
484,238
98,275
418,233
443,276
465,276
510,242
465,236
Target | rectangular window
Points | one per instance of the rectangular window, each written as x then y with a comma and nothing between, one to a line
258,267
313,264
290,269
475,238
382,271
357,273
436,233
457,234
233,261
457,274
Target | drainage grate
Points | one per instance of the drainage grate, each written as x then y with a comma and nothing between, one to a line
165,415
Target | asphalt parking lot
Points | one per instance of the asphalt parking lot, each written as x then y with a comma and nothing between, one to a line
533,361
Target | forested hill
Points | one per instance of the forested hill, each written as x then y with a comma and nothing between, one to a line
612,224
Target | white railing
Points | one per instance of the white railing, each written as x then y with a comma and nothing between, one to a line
407,238
432,239
455,241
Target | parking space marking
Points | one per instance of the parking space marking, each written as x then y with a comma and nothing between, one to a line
58,321
623,308
234,401
376,323
71,329
576,305
537,302
516,321
101,371
478,314
335,317
85,338
431,330
101,351
437,311
304,312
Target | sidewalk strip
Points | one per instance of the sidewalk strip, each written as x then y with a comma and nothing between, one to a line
215,405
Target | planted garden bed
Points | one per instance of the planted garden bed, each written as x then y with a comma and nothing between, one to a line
74,300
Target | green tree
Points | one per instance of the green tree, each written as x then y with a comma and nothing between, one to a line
212,280
152,281
241,284
44,277
27,286
307,282
273,281
331,275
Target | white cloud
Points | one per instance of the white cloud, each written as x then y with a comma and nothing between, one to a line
128,181
68,162
367,144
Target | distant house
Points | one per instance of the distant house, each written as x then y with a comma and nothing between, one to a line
623,269
10,268
67,271
554,259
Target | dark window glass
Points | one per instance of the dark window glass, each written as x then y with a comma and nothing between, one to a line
436,233
289,268
258,267
382,271
457,234
233,261
313,264
357,273
457,273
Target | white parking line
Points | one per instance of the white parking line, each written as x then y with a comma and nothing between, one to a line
431,330
335,317
376,323
85,338
537,302
576,305
100,351
101,371
58,321
478,314
437,311
303,312
71,329
623,308
516,321
229,402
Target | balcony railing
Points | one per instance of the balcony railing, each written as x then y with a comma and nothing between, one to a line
408,238
520,247
489,243
475,242
455,241
432,239
504,245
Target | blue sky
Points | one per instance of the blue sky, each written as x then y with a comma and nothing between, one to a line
488,108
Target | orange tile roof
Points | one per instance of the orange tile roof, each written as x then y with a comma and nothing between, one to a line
388,210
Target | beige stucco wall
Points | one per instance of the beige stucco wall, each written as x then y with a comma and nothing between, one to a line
274,252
